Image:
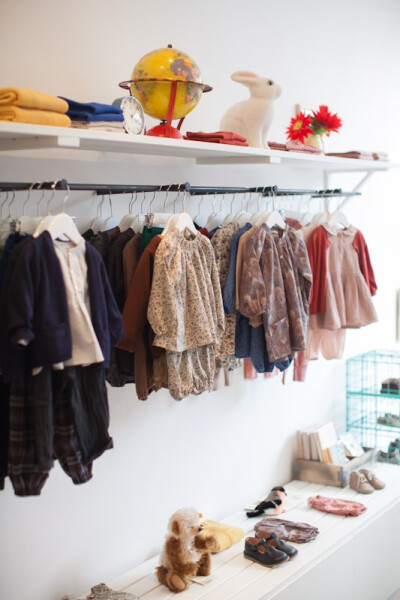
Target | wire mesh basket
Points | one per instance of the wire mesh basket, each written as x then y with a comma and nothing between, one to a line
373,401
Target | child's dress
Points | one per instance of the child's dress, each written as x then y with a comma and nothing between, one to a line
343,283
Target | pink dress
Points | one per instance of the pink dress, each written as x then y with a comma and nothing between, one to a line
348,302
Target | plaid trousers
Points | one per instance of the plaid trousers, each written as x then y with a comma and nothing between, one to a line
57,415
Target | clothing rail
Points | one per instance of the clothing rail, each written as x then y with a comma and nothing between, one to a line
103,188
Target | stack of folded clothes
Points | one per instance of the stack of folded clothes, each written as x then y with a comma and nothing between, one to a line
217,137
297,146
29,106
353,154
380,155
93,115
294,146
277,146
361,155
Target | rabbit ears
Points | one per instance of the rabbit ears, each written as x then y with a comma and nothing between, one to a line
245,77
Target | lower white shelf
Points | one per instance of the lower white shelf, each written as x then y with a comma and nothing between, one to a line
235,578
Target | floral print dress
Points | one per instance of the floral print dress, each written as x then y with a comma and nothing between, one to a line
225,349
185,311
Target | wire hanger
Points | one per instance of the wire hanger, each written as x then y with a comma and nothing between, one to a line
181,221
274,217
128,219
198,218
25,223
339,218
160,219
98,222
111,221
216,218
243,216
322,217
9,222
229,217
60,226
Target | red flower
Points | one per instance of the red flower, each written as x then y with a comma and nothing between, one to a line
299,127
324,121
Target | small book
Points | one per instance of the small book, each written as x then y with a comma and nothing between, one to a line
351,446
327,435
299,445
305,436
314,446
337,454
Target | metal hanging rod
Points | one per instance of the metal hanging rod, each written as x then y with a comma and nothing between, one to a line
103,188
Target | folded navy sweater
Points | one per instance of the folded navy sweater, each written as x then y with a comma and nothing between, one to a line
92,111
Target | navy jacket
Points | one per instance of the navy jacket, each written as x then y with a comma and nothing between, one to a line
37,307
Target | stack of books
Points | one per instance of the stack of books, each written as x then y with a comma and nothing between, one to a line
321,443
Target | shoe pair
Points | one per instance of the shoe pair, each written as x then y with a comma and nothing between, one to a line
269,552
365,482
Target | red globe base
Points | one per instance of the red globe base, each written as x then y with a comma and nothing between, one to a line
165,130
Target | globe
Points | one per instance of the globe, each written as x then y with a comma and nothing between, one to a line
151,83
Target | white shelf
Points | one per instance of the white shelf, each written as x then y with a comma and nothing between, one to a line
233,577
21,136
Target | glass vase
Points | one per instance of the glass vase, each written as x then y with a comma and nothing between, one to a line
316,141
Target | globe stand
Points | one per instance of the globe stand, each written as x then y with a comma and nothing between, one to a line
165,129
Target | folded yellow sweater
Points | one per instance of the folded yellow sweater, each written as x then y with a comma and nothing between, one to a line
31,99
225,535
39,117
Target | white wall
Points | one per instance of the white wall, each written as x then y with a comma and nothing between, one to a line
219,451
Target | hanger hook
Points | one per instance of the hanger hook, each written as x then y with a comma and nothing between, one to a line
53,187
3,203
9,205
273,198
40,199
183,200
142,202
166,197
176,199
101,206
66,197
152,200
132,201
29,195
110,203
199,207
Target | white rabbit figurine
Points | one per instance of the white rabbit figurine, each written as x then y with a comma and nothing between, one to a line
252,118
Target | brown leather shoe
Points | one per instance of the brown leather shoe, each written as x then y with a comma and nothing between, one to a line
359,483
373,480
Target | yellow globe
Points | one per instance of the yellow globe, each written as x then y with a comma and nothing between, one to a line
153,93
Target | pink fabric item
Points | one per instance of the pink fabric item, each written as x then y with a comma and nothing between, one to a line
249,371
297,146
353,154
330,342
274,373
347,508
300,366
277,146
